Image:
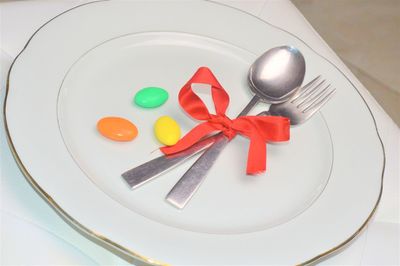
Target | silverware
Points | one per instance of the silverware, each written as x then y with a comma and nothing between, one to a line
146,172
274,77
305,103
269,80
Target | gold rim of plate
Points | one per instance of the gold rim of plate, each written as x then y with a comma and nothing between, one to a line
126,251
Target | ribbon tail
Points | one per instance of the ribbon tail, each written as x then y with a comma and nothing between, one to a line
272,128
189,139
257,156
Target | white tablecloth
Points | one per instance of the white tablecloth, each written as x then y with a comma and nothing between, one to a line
40,236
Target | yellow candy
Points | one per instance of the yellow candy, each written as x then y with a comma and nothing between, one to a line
167,130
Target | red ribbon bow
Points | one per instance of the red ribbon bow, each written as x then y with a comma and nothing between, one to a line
259,129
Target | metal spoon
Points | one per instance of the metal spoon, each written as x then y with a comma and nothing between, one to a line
273,77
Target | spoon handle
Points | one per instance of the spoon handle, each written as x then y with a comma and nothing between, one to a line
249,106
189,183
143,173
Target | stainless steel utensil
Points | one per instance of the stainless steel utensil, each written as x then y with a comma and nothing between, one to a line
305,103
274,77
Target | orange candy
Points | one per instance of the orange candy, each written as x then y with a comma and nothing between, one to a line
117,128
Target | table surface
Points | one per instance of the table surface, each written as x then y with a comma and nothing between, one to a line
28,224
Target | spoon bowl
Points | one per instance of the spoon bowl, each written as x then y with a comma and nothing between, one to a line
276,74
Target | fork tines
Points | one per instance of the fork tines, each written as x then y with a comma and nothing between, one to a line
313,95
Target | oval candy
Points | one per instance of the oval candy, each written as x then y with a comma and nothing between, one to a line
167,130
117,128
151,97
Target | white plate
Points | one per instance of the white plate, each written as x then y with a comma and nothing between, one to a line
320,189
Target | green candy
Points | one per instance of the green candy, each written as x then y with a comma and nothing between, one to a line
151,97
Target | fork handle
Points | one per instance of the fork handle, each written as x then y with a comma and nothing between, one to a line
187,186
189,183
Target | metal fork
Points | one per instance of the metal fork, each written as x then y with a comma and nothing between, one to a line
303,105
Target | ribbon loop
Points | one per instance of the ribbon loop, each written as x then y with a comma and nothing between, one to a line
197,108
260,130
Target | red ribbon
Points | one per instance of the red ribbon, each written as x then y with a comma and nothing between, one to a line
259,129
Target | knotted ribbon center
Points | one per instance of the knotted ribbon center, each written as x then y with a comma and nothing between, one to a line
259,129
223,123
